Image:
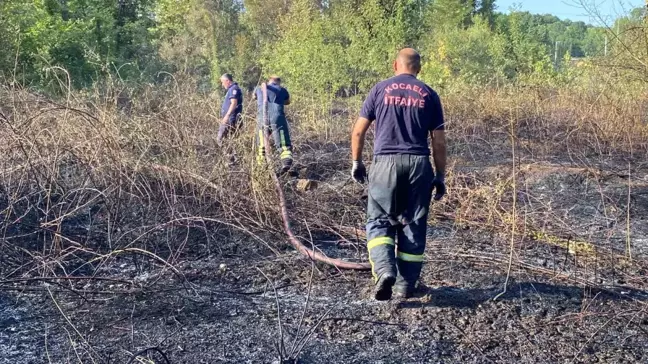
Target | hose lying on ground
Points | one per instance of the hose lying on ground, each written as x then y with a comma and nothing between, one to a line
294,241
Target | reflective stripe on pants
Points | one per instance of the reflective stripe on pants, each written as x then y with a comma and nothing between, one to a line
280,137
381,256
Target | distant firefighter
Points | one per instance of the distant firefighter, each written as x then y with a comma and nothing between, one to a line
231,108
276,124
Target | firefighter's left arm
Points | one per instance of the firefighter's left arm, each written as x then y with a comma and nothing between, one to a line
437,133
439,151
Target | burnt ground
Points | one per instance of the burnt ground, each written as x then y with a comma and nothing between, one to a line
229,314
230,300
220,308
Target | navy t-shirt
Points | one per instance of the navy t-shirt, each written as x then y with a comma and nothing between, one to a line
405,110
233,92
276,95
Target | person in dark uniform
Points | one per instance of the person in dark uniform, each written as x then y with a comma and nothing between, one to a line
276,124
401,180
231,108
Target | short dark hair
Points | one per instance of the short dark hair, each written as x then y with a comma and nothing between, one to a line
227,76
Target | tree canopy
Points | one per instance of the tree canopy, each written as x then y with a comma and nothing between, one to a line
319,46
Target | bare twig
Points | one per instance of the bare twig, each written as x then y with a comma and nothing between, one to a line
280,344
58,307
147,350
293,348
513,134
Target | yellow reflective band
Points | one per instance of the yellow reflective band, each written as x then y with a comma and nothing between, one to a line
286,154
384,240
411,257
373,270
283,140
261,142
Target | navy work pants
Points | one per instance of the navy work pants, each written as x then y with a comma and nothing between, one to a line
400,190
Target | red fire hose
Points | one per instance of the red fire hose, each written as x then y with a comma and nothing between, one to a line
294,241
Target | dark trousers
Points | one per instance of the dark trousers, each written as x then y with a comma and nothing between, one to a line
229,128
400,190
278,130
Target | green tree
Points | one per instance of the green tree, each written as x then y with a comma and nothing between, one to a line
372,33
306,52
444,14
528,55
199,36
87,38
475,56
593,45
262,18
486,9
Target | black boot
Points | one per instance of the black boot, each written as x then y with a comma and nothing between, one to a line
403,291
383,289
286,164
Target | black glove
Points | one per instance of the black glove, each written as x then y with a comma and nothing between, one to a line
359,172
438,183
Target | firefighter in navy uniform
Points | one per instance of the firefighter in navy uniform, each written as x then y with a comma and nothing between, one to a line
276,124
231,108
401,180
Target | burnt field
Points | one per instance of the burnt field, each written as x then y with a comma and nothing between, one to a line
128,238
